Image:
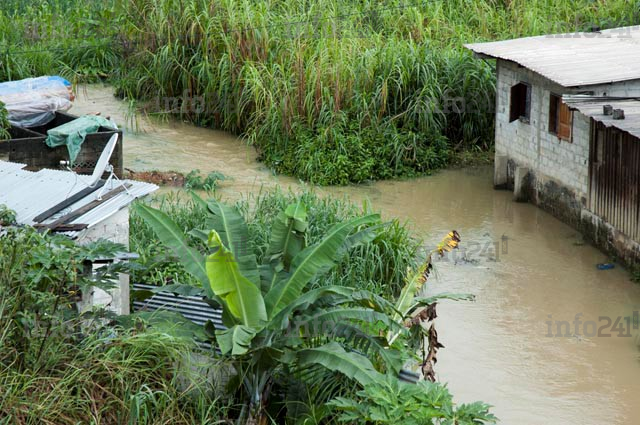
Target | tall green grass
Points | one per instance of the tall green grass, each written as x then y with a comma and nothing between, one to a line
329,91
379,266
113,379
73,38
60,367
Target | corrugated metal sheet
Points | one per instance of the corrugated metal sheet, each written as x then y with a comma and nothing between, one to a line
593,108
574,59
614,178
32,193
192,308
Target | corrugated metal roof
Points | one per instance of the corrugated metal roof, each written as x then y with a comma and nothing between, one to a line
594,108
574,59
32,193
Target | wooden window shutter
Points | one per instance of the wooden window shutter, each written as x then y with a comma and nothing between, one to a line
565,122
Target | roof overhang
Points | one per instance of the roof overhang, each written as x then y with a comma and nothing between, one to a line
594,108
573,59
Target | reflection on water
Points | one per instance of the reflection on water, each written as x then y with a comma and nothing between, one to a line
526,269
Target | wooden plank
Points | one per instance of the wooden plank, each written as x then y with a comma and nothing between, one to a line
67,202
633,172
83,210
564,122
70,227
592,161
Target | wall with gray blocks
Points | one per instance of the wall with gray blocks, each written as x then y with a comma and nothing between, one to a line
558,171
531,144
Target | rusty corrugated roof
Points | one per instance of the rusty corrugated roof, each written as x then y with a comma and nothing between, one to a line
574,59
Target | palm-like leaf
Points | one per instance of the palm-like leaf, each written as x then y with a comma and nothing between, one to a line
234,234
287,235
312,261
334,357
174,238
414,283
425,301
241,297
235,340
362,341
337,295
328,318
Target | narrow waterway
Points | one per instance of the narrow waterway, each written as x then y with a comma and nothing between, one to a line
528,272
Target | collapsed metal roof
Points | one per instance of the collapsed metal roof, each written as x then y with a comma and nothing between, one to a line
573,59
594,108
30,194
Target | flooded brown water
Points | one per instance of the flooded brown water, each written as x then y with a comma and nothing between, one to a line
525,268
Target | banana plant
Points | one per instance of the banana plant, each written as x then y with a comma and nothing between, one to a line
417,312
272,318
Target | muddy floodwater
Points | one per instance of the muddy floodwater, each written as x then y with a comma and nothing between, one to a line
531,274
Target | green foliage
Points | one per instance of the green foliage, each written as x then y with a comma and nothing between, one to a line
72,38
259,341
281,333
59,366
398,403
4,122
193,180
332,92
40,278
379,266
7,216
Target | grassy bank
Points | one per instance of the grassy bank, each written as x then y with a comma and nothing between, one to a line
59,365
379,267
331,92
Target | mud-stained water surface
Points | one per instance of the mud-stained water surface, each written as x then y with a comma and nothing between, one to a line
529,273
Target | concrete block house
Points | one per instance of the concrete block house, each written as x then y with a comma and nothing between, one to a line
567,130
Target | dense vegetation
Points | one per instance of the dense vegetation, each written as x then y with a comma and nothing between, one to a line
379,267
60,367
4,122
314,261
292,341
332,92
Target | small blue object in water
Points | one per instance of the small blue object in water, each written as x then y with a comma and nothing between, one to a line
605,266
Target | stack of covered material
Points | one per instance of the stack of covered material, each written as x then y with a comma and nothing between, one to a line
34,101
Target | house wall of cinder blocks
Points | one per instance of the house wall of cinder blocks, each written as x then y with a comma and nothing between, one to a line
556,172
531,144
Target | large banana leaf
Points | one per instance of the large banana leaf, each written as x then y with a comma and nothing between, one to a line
360,238
242,298
328,318
235,340
415,282
287,235
174,239
233,231
368,344
337,295
333,357
311,261
425,301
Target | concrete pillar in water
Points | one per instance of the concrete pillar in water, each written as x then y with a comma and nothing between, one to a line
500,172
520,183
